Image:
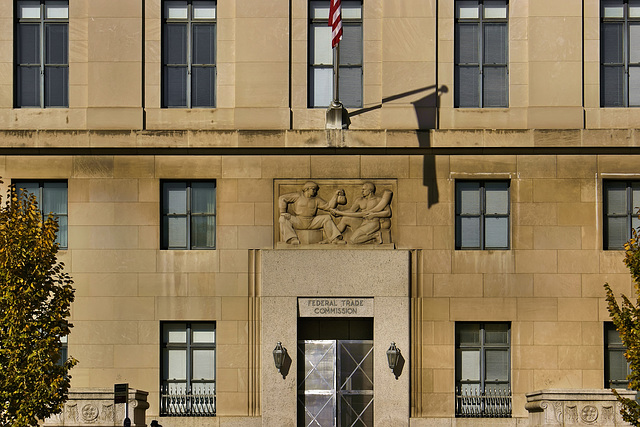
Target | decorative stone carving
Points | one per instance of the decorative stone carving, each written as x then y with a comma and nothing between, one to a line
571,414
305,218
589,414
89,412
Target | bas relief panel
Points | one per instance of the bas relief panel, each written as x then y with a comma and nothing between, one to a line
334,212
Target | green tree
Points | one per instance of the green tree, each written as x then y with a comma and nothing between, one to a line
35,298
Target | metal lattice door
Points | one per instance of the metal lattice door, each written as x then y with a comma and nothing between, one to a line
335,385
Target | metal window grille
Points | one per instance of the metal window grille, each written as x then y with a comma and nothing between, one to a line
492,403
187,402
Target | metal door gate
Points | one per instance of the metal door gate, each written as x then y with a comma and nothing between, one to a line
335,383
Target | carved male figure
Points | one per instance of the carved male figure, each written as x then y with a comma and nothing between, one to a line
305,206
364,217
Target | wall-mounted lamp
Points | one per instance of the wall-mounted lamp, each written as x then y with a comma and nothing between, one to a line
393,355
278,356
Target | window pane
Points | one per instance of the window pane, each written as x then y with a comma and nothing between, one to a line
204,44
28,86
61,238
466,49
31,188
469,333
203,364
616,198
496,333
174,333
175,9
54,196
351,45
56,43
57,9
351,10
321,42
29,9
175,86
319,10
56,84
469,232
612,9
174,197
350,86
175,364
496,197
203,83
634,43
467,87
203,231
495,9
612,86
203,333
175,44
634,86
204,10
496,233
497,368
28,44
495,87
467,9
635,197
468,197
612,335
203,197
470,365
634,8
617,365
612,43
321,87
177,232
495,43
617,232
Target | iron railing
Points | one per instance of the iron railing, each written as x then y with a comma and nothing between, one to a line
187,402
492,403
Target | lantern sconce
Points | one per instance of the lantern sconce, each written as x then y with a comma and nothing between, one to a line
279,354
393,357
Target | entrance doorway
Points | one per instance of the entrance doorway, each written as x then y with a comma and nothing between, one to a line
335,372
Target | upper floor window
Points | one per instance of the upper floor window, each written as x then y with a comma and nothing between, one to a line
42,53
616,367
188,359
189,53
620,53
321,55
483,370
188,215
482,215
52,198
481,60
621,203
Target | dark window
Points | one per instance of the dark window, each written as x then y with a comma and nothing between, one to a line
188,369
321,55
42,53
482,215
481,59
621,202
52,198
189,54
616,367
483,385
620,53
188,215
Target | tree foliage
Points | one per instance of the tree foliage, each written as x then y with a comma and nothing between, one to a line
35,299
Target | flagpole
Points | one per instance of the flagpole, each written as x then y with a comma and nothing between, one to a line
335,112
336,76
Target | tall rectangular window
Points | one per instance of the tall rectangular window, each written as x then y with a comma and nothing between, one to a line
52,198
482,215
42,53
483,370
188,360
621,204
616,367
188,215
620,53
321,55
189,54
481,55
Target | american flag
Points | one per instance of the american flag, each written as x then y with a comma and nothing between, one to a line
335,22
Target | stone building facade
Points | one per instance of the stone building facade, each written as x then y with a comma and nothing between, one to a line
483,249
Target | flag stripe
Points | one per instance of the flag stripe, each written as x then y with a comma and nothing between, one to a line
335,22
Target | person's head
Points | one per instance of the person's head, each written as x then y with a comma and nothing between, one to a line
310,189
368,188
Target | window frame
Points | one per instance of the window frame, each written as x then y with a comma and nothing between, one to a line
481,21
482,216
188,346
626,63
482,347
191,22
40,197
629,215
312,65
164,233
613,347
42,65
